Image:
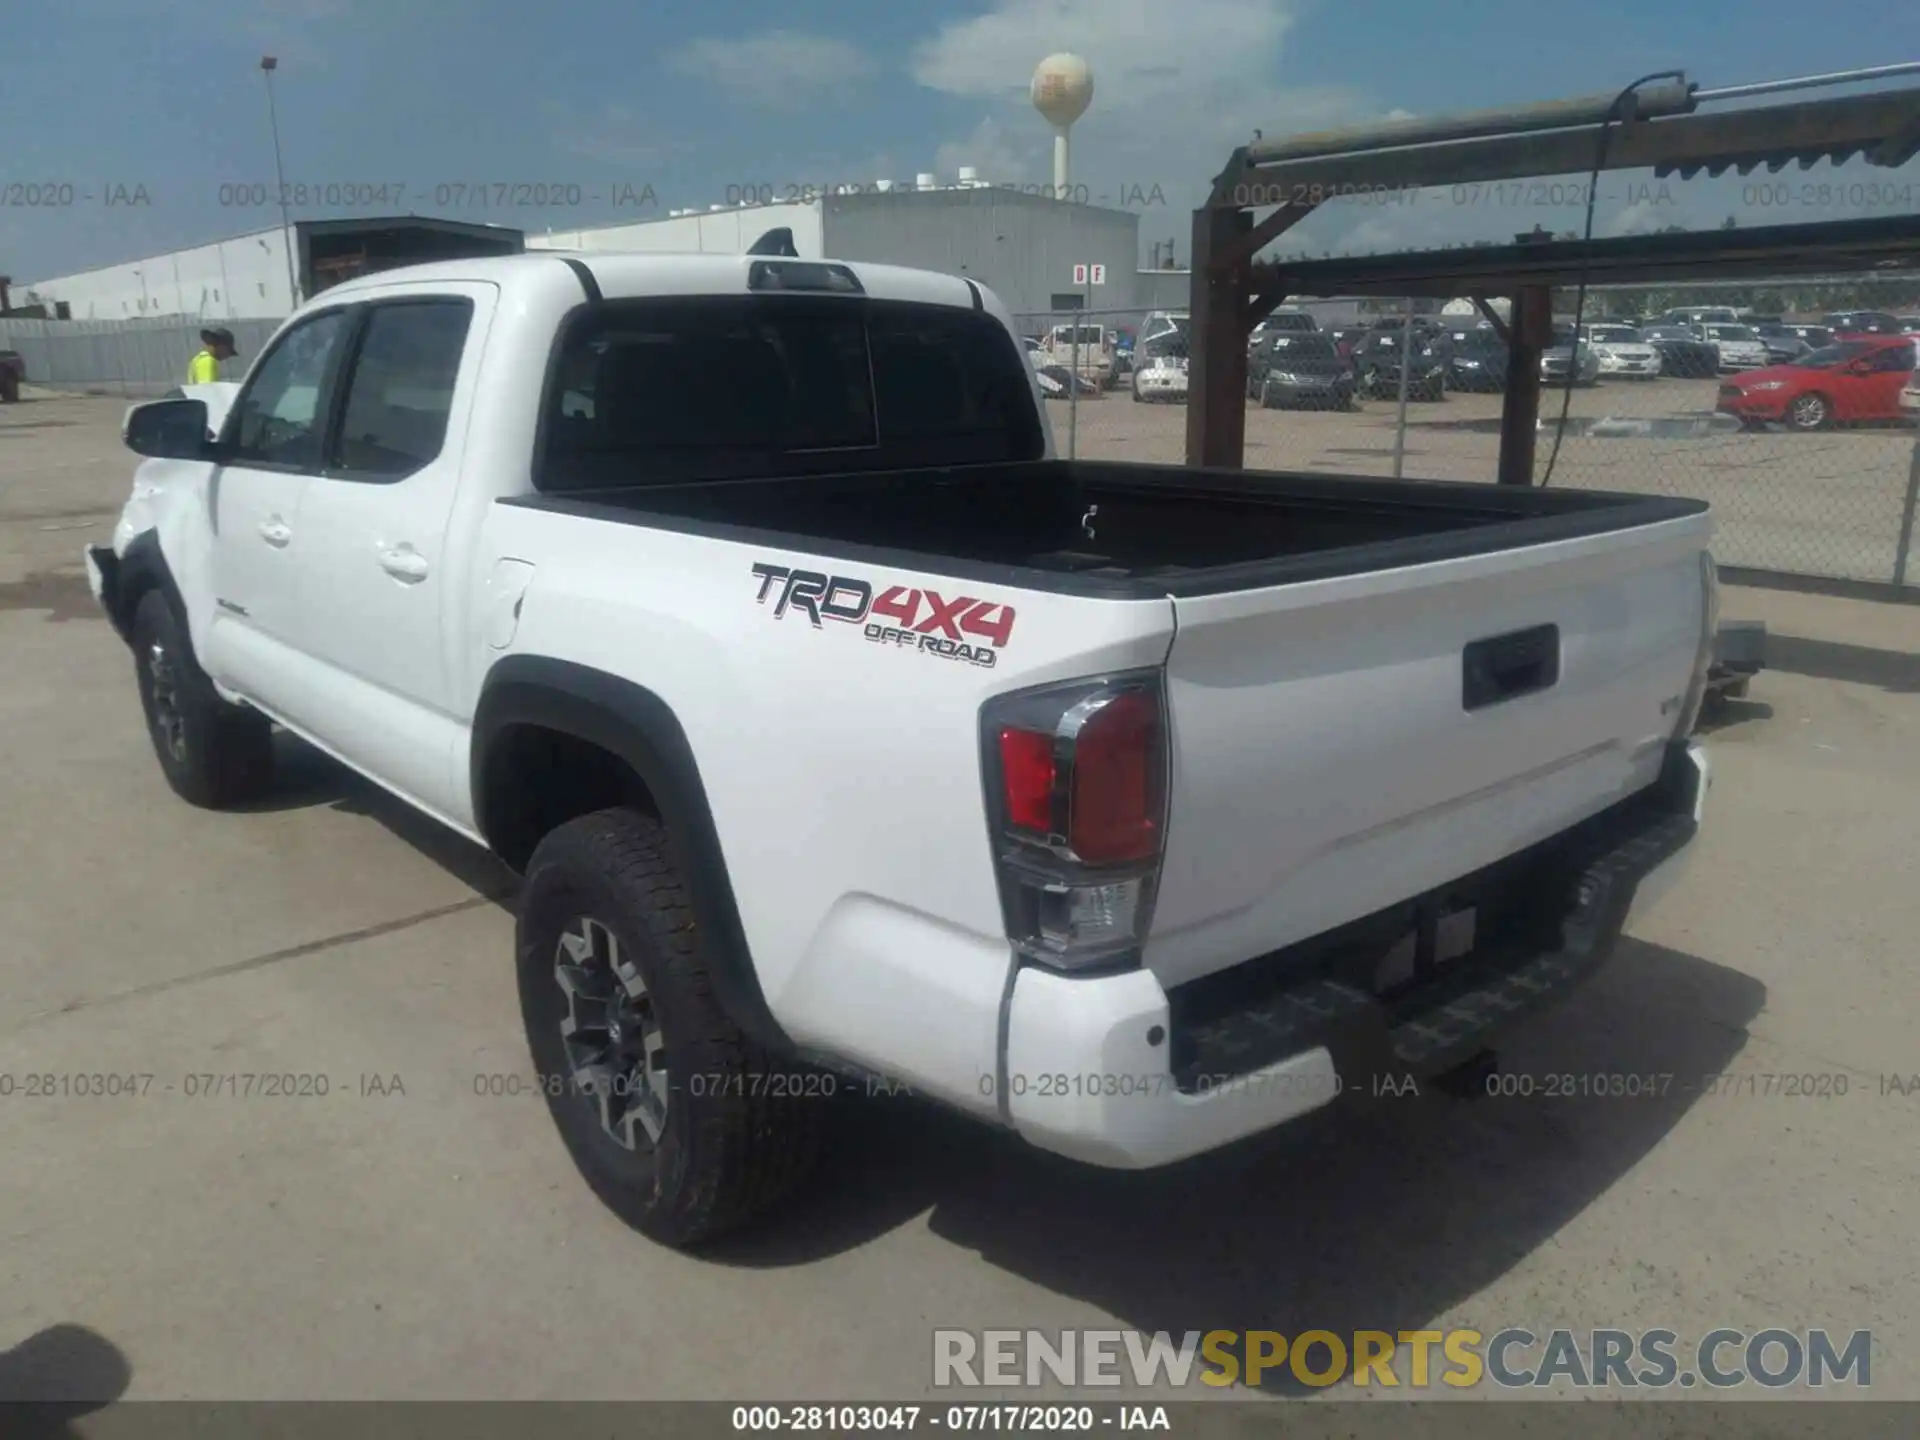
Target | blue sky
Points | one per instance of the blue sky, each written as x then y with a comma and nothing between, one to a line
690,100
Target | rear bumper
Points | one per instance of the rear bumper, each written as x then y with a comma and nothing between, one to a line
1119,1072
1160,382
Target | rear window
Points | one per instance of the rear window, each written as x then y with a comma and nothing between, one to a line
1291,320
733,387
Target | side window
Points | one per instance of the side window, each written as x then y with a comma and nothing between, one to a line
400,389
277,419
1895,359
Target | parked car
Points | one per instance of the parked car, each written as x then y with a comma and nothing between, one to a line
1818,337
1622,352
1693,315
1682,352
730,902
1846,323
1564,355
1162,371
1296,370
1163,322
1476,357
1377,364
1281,321
13,374
1782,344
1852,381
1738,347
1346,341
1094,354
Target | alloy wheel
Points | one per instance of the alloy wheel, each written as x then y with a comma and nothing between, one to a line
611,1034
164,686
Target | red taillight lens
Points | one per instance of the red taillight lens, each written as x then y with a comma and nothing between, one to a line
1116,763
1026,773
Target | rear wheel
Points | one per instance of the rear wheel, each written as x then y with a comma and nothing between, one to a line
1809,412
672,1116
213,754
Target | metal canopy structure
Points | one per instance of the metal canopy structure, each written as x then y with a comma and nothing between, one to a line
1772,252
1652,127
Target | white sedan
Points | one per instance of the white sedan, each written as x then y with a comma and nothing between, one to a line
1622,352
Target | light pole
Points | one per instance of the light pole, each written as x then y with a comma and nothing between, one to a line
268,64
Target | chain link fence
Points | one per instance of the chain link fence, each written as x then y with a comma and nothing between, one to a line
135,358
1825,488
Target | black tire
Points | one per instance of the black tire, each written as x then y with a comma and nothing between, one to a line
214,755
738,1134
1811,411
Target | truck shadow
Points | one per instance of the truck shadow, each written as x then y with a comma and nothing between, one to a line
1369,1216
1380,1217
58,1375
305,778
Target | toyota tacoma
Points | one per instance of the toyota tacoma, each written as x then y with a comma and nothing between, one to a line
838,728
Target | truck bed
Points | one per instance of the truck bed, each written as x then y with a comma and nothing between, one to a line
1113,528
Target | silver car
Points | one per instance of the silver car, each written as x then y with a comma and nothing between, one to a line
1555,362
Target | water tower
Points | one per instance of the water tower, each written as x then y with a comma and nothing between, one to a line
1062,90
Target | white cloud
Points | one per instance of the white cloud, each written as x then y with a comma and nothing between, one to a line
616,134
990,150
774,69
1176,88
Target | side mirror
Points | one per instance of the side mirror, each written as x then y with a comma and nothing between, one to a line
169,430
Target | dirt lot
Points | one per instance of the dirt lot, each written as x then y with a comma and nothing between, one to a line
430,1239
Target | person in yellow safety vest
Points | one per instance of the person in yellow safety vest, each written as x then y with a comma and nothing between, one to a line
204,368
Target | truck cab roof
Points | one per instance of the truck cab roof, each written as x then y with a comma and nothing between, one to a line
632,275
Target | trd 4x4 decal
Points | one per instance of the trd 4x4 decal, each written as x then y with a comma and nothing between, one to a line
922,620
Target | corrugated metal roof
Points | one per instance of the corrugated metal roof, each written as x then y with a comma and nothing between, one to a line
1883,127
1887,244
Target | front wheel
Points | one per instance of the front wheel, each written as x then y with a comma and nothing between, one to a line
676,1120
214,754
1809,412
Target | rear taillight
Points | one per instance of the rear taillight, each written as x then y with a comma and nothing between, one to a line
1076,797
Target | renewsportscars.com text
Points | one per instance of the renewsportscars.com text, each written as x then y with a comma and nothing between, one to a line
1724,1359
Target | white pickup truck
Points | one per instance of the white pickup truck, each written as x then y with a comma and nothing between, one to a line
839,729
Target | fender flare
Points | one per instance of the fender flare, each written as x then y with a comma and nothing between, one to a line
141,568
631,722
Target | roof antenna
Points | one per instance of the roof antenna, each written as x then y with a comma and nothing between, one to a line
778,241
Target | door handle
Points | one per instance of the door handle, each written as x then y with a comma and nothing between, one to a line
404,563
276,532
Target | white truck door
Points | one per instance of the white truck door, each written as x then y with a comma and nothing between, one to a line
373,566
270,450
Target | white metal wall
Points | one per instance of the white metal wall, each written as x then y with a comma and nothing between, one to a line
712,232
240,279
1023,247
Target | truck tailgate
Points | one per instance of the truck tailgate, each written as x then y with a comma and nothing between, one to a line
1338,747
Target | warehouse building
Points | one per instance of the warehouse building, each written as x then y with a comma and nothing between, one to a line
248,277
1023,246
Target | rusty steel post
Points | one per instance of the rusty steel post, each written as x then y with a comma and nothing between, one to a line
1217,350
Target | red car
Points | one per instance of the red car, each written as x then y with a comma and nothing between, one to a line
1857,379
